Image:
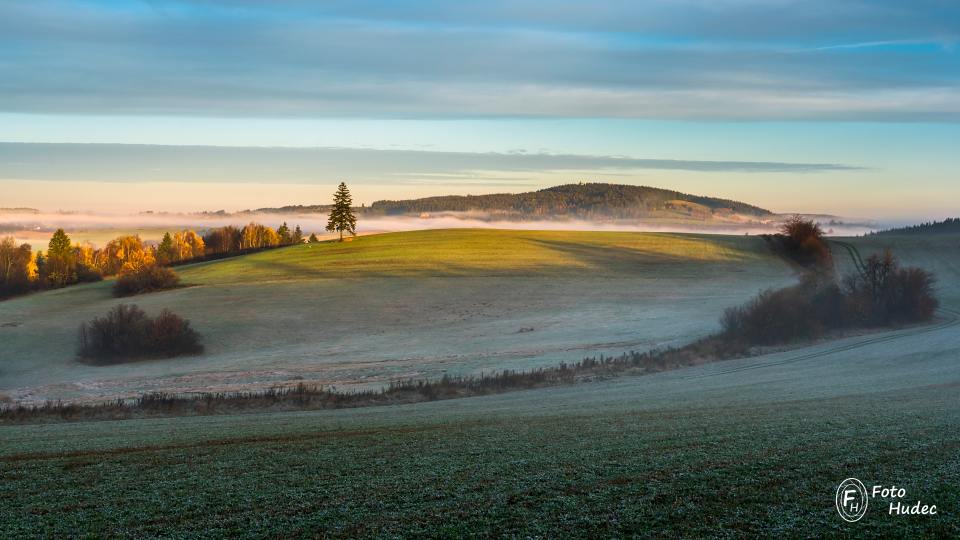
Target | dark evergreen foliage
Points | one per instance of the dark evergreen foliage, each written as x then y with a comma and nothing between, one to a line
585,201
342,218
947,226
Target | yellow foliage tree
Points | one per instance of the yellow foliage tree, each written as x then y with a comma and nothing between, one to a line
120,251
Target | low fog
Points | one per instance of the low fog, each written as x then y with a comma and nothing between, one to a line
30,226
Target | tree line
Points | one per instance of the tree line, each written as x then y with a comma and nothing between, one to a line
947,226
66,263
136,262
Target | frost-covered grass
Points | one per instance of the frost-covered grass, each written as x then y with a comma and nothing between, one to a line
753,447
595,460
395,306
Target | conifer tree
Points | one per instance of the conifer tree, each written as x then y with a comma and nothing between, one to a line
61,265
59,244
298,235
284,233
41,264
313,238
341,215
165,251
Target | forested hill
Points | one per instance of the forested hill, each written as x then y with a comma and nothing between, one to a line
947,226
578,201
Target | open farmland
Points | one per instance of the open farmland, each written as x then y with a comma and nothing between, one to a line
399,305
747,447
752,447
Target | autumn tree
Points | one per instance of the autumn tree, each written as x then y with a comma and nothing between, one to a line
123,251
222,240
804,242
341,215
15,267
187,245
255,235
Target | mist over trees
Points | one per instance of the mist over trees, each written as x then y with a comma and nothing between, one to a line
16,267
947,226
134,261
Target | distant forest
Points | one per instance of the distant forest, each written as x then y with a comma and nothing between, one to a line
947,226
574,200
583,201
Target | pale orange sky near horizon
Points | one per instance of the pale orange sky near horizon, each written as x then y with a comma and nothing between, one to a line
842,107
114,197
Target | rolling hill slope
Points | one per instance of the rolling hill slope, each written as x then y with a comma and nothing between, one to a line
582,201
399,305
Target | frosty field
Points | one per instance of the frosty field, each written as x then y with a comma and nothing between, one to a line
747,447
401,305
753,447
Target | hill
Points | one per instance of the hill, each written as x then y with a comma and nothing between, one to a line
582,201
570,201
399,305
651,456
600,459
947,226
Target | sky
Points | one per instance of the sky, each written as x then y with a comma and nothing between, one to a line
831,106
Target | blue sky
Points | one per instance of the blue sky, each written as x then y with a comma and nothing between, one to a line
862,99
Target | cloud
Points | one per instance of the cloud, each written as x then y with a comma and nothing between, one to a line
680,59
155,163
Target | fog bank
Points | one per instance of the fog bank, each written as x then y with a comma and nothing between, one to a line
32,227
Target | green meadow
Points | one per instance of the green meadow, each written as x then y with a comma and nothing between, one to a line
400,305
749,447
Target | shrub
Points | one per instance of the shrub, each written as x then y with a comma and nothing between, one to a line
802,241
781,316
145,279
128,333
883,294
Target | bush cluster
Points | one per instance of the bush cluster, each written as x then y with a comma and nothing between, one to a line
145,279
802,241
128,333
883,294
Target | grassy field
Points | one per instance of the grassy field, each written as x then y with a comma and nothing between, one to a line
400,305
481,252
938,253
749,447
753,447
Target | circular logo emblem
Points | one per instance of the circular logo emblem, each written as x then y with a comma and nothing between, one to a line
851,500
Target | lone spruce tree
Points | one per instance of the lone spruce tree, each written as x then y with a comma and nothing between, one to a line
341,215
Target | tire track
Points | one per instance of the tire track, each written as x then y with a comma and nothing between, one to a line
854,255
953,319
